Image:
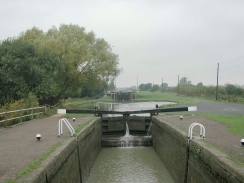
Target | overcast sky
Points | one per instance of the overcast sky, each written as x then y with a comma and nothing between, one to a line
155,39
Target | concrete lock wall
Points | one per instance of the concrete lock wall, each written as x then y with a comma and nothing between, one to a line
72,161
202,164
187,162
170,145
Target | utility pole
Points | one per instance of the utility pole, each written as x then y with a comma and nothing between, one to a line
137,83
217,87
178,84
162,84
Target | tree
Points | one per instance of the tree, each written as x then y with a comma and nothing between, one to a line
200,84
81,54
23,69
155,88
184,81
233,90
164,86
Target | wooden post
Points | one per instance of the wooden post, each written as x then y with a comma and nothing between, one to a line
162,84
20,116
217,82
31,113
6,120
178,84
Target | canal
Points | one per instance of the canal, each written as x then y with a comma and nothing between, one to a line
129,164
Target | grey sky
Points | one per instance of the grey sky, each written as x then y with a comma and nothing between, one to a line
154,39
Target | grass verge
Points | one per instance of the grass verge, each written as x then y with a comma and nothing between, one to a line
82,125
158,96
75,115
234,123
37,162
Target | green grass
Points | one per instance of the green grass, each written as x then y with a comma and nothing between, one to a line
140,96
82,125
235,123
159,96
37,162
75,102
75,115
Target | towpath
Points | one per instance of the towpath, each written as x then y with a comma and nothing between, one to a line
19,146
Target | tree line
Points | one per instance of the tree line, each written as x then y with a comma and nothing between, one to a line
228,92
62,62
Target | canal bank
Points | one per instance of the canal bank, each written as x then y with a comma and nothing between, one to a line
73,160
197,160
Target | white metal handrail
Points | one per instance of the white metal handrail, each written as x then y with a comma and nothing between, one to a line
60,127
128,107
202,130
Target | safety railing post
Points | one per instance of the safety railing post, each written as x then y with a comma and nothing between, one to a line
202,130
31,113
69,126
20,116
6,120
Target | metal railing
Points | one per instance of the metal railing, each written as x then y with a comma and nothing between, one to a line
60,127
21,113
202,130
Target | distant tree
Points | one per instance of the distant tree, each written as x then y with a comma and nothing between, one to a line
164,86
148,86
155,88
200,84
233,90
183,81
142,87
145,87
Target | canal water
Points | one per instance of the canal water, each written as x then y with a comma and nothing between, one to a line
129,165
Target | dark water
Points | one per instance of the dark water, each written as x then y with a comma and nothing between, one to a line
129,165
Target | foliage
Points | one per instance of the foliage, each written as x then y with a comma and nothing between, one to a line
164,86
62,62
229,92
155,88
184,81
29,102
87,61
145,87
24,69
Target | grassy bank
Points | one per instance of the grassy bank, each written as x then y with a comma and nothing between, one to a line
234,123
140,96
159,96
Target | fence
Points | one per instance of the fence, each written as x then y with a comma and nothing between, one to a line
20,114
